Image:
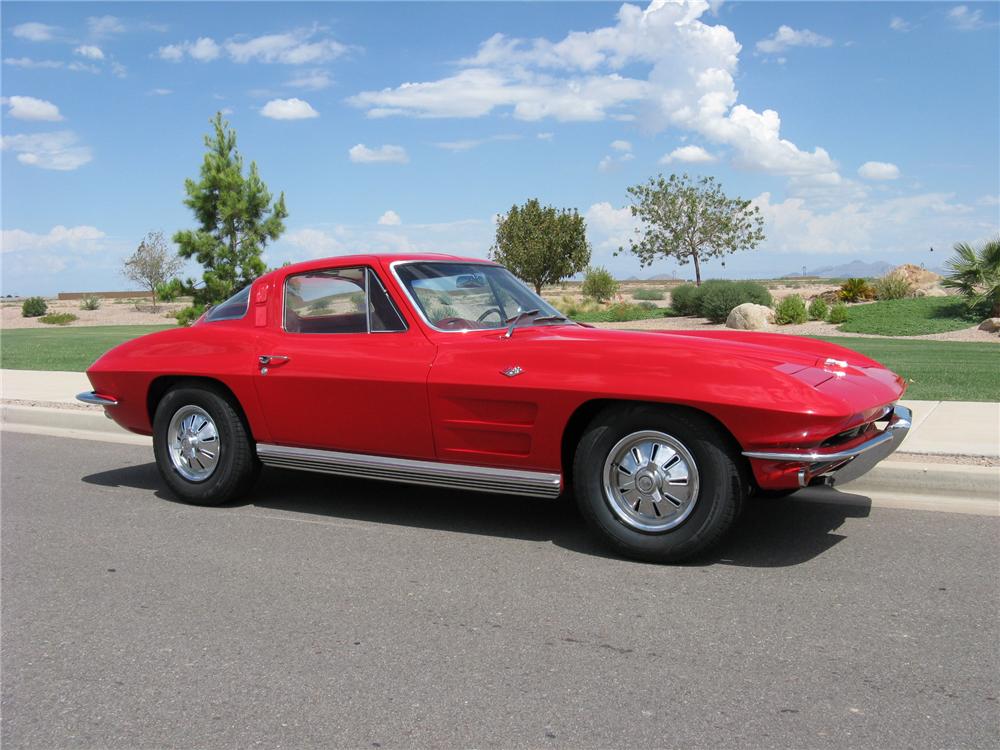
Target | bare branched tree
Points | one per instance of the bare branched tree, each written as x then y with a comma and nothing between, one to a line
152,264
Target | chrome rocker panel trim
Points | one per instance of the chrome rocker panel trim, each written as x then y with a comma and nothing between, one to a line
843,466
409,471
89,397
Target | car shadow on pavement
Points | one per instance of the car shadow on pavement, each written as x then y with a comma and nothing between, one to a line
770,533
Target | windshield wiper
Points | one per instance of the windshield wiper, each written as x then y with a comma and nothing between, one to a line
517,319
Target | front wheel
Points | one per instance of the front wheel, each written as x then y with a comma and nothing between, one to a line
659,484
203,451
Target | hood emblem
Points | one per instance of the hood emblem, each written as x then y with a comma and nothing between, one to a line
513,371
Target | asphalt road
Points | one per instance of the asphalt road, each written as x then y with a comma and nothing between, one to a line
326,612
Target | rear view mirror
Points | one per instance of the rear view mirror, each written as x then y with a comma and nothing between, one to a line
470,281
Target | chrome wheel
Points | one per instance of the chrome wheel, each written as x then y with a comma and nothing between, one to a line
651,481
193,443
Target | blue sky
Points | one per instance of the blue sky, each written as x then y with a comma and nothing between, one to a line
861,130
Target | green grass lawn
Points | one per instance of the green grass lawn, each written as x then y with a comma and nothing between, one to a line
68,349
910,317
938,370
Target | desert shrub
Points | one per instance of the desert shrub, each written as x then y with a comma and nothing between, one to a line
838,313
58,319
791,309
33,307
717,298
189,315
893,286
818,309
645,305
648,294
684,299
170,290
599,284
856,290
90,302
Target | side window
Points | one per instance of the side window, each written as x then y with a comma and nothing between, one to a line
326,302
385,317
345,300
233,308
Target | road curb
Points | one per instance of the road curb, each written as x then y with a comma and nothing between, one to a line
933,479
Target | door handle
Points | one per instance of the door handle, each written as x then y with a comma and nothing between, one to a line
272,359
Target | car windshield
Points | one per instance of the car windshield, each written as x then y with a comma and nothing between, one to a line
461,296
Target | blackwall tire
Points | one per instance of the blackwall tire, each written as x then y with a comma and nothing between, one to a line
202,448
658,484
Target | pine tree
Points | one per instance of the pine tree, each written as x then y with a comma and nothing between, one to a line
236,219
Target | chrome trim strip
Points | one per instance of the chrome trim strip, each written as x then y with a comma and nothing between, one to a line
900,421
89,397
409,471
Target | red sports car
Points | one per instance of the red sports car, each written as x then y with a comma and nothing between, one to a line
448,371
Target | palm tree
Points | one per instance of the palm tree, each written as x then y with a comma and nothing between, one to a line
976,274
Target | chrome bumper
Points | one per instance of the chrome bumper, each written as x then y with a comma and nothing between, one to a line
830,465
95,399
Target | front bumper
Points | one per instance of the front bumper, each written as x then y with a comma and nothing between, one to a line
96,399
837,464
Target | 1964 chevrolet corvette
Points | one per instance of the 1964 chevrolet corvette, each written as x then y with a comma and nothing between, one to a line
446,371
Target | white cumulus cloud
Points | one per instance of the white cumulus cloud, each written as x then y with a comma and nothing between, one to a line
314,80
58,150
30,108
388,154
288,109
29,64
292,48
878,170
965,19
300,47
105,25
869,226
786,37
688,155
17,240
203,49
390,219
35,32
89,51
622,146
587,76
899,24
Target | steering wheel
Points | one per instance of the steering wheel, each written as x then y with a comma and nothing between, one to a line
482,318
454,322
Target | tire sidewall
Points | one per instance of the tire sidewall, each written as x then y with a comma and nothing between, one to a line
716,503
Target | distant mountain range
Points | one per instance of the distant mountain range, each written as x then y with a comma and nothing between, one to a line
853,270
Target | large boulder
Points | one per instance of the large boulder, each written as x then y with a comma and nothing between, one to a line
990,325
750,317
931,291
919,278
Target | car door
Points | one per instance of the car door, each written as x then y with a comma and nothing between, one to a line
340,369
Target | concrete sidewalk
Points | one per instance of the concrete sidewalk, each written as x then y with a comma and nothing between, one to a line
962,428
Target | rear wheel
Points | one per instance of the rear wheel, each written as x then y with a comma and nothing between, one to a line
202,448
658,484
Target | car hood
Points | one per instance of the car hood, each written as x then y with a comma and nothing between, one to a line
794,372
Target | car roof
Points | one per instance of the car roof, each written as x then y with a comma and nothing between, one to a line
369,259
